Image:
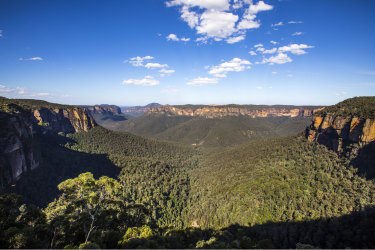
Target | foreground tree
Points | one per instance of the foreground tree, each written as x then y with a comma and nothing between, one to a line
87,207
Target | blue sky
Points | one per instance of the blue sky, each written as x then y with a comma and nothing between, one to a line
133,52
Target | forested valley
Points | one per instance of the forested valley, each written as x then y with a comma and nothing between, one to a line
108,189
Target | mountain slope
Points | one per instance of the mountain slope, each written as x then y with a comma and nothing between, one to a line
224,131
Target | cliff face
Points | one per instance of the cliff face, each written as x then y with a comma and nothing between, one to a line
103,109
20,129
339,132
348,128
222,111
139,110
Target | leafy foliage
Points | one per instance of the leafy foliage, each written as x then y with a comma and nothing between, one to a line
363,107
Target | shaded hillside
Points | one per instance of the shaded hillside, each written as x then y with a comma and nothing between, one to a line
136,111
225,131
348,128
285,179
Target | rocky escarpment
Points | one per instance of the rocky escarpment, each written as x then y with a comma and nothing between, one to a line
103,109
139,110
216,111
22,123
338,132
348,128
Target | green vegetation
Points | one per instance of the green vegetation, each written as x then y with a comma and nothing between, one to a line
110,189
363,107
217,132
275,180
27,104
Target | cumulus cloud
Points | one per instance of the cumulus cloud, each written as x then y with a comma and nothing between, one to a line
273,42
261,49
274,72
146,81
37,58
203,81
280,58
260,6
297,49
234,65
155,65
166,72
1,33
235,39
138,61
258,45
174,37
252,53
217,24
270,51
203,4
218,19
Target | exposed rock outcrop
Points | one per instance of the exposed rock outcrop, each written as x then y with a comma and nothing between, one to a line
215,111
339,132
21,125
348,128
102,109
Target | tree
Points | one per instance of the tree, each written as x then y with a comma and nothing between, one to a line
84,200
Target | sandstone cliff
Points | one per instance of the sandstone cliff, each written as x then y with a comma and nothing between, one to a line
339,132
348,128
21,124
215,111
102,109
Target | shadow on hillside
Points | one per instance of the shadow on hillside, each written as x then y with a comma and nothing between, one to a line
59,163
365,161
355,230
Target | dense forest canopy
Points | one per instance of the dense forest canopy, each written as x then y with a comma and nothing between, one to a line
107,189
363,107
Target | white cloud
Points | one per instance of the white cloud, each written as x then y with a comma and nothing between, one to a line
277,24
252,53
297,33
259,87
166,72
37,58
234,65
1,33
260,6
203,81
270,51
280,58
273,42
290,75
169,91
190,17
297,49
203,4
146,81
235,39
293,22
258,45
219,19
261,49
173,37
138,61
248,22
274,72
217,24
20,92
155,65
